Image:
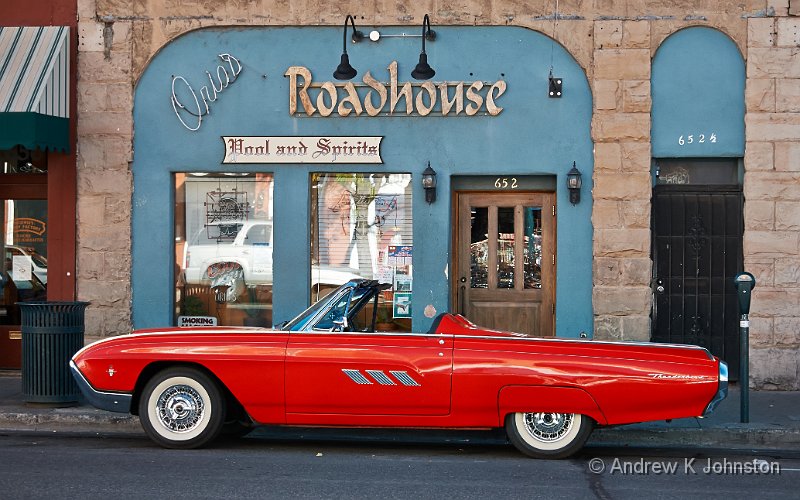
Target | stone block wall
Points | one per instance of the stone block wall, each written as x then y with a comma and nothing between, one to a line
613,40
772,195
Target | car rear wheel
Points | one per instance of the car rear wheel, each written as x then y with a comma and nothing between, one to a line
548,435
182,408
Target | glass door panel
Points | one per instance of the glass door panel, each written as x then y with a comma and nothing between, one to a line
23,276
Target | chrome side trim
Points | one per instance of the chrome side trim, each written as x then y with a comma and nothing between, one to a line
357,377
722,389
111,401
380,377
404,378
503,337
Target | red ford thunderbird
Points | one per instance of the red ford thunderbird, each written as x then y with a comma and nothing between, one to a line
329,367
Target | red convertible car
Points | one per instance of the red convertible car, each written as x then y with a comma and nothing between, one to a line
329,367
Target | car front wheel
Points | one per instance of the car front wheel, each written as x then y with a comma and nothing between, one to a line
548,435
182,408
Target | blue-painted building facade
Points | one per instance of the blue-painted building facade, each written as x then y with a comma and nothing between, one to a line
533,136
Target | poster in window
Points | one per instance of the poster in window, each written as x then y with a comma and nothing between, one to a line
402,283
400,255
402,305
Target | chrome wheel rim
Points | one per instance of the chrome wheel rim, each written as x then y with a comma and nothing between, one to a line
548,427
180,408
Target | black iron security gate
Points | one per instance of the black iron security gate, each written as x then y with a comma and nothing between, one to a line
697,250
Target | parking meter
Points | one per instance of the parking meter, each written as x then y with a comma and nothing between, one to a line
745,282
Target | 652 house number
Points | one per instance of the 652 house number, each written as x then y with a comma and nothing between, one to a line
697,139
506,183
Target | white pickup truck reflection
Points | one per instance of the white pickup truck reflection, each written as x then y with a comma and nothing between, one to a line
213,259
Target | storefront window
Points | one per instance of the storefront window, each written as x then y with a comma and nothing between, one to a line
223,249
361,228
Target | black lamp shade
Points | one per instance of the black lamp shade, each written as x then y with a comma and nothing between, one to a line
423,71
574,184
574,177
344,71
429,178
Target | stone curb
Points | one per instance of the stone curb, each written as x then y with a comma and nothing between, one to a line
716,437
64,419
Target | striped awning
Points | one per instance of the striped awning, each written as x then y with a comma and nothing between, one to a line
34,87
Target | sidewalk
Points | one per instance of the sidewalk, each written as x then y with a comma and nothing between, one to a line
774,423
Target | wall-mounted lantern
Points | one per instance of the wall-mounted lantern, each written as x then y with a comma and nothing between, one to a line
429,183
574,184
344,71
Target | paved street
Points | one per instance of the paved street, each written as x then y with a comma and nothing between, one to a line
82,465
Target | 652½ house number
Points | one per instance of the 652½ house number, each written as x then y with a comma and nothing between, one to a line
697,139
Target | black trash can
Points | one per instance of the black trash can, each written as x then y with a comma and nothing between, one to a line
52,332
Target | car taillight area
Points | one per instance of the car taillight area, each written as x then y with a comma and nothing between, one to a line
722,389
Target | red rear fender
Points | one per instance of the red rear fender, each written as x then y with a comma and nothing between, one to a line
526,398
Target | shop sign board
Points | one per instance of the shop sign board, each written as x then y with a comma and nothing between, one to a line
390,98
302,149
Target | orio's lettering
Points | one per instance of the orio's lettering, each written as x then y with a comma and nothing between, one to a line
406,99
190,106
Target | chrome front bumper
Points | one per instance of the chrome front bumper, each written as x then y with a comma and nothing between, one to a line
110,401
722,389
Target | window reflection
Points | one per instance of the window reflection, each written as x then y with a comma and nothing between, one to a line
504,261
23,239
223,250
479,247
505,247
532,251
361,227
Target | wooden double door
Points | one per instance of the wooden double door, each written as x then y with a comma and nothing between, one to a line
505,261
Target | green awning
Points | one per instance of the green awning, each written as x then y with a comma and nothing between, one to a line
34,131
34,87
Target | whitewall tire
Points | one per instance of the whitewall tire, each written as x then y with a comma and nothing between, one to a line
548,435
181,408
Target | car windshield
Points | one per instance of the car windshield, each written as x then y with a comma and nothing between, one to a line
356,300
323,314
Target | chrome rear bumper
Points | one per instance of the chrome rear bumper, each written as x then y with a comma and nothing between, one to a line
110,401
722,389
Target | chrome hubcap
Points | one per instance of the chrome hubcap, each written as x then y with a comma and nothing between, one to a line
548,427
180,408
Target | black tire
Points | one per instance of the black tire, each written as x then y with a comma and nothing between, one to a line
182,408
548,435
236,429
237,422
